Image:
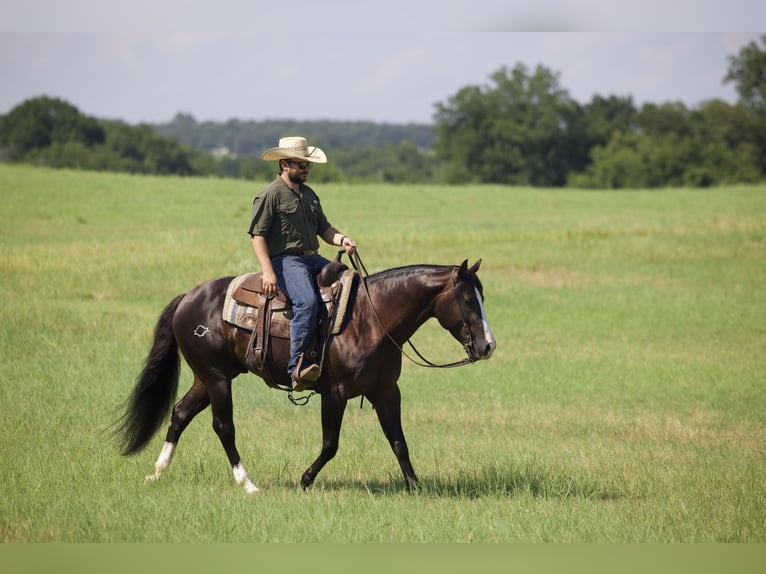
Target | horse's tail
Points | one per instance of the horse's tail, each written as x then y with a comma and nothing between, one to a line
156,386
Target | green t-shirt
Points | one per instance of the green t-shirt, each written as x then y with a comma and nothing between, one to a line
290,222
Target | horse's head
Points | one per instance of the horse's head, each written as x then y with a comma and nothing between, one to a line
460,310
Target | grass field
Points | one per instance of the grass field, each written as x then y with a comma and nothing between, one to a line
625,401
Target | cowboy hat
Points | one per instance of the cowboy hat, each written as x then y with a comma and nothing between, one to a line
295,148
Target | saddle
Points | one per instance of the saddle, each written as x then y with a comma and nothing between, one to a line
270,317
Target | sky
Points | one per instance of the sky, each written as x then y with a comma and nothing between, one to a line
392,62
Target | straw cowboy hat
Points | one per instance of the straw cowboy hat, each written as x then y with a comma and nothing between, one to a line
295,148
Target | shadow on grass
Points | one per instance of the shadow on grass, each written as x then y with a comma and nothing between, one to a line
532,481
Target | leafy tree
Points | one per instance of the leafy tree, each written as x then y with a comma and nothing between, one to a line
513,131
726,142
144,151
40,122
748,71
664,120
605,116
616,164
593,125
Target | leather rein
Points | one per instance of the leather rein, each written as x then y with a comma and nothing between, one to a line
467,341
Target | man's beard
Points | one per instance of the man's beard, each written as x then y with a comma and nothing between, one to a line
298,178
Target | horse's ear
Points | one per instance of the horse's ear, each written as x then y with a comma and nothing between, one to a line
475,266
463,268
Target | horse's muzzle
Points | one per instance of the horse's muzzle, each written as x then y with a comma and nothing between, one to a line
489,348
478,352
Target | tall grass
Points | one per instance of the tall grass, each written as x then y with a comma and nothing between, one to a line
625,401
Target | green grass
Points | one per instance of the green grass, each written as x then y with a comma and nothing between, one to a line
625,401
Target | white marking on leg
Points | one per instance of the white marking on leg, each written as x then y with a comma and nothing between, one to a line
487,331
164,460
240,475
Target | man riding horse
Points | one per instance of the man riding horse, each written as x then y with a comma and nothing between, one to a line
287,218
363,359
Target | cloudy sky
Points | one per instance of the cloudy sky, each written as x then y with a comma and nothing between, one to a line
145,61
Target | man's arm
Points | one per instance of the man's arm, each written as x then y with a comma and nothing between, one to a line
262,254
335,237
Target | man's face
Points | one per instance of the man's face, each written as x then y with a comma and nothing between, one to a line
298,171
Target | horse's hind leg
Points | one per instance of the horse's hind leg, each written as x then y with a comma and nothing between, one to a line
193,403
223,425
388,408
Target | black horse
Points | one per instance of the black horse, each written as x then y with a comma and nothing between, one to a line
363,359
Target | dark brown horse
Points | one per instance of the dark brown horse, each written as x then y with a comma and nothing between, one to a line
364,359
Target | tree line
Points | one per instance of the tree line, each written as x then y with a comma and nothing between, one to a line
52,132
522,128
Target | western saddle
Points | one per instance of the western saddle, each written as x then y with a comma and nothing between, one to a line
272,315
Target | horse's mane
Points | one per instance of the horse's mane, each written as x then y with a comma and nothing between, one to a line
405,271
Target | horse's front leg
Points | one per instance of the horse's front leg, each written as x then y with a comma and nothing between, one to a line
388,408
332,419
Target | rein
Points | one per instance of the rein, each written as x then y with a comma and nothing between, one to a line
358,265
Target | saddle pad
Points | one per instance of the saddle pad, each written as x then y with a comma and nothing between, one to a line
346,282
244,316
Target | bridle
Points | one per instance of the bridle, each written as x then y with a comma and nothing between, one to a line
466,335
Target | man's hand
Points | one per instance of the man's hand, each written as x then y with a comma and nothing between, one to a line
348,244
269,283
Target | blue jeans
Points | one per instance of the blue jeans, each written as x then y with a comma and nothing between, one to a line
296,277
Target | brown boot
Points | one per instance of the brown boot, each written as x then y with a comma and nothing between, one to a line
306,378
